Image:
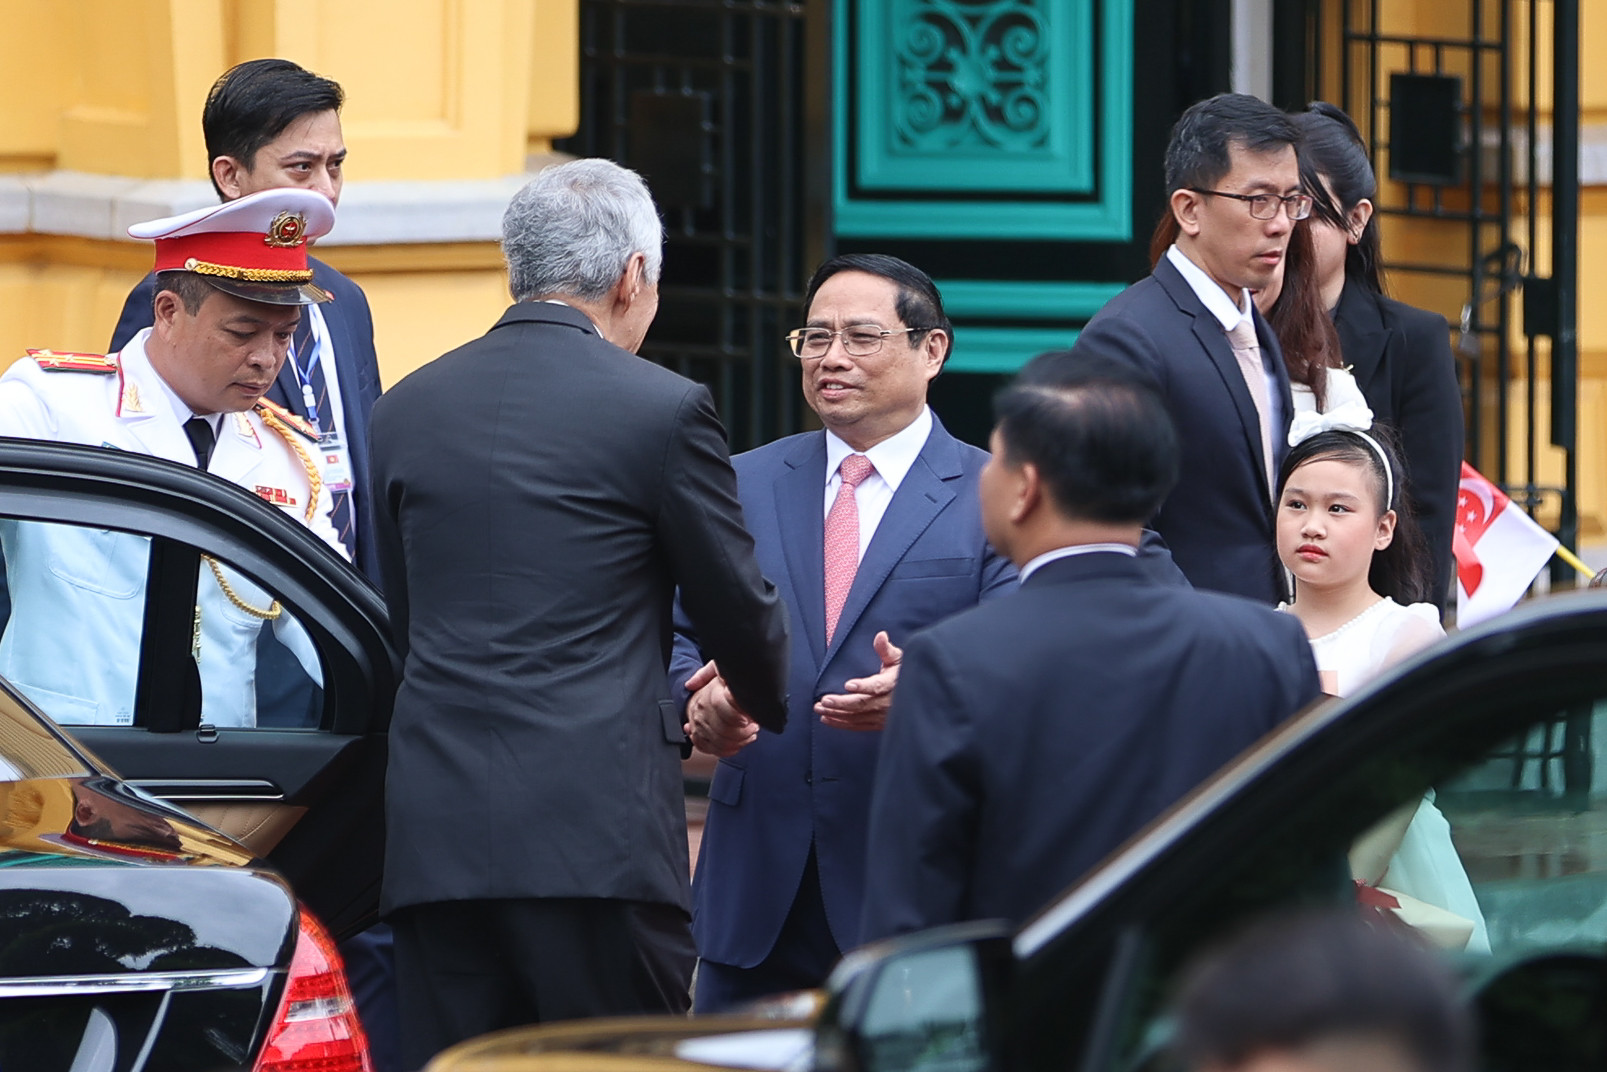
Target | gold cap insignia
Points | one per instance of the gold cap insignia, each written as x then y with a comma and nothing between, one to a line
287,229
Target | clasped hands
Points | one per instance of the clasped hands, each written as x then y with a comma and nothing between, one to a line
719,727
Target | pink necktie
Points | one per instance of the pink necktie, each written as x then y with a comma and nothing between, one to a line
842,538
1248,352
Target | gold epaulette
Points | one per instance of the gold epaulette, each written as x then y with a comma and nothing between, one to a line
64,361
269,408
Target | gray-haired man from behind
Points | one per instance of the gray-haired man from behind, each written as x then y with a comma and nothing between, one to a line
539,494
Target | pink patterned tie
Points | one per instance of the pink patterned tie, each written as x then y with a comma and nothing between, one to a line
842,538
1247,350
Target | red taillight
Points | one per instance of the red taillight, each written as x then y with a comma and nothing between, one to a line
317,1029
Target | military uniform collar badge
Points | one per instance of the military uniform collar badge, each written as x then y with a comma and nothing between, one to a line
132,403
244,429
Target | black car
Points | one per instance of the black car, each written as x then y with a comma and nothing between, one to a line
133,935
1503,728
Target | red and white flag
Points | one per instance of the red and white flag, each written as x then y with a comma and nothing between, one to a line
1499,550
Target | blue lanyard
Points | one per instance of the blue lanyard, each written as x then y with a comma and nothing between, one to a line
304,377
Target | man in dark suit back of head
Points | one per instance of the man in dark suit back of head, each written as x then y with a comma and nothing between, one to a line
1032,735
539,495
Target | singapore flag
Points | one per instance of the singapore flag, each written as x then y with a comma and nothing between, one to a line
1499,550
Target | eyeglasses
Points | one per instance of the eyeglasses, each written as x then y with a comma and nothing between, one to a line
859,340
1265,206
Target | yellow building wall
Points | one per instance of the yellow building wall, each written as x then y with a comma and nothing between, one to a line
436,91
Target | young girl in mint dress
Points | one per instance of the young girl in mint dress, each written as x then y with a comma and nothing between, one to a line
1360,583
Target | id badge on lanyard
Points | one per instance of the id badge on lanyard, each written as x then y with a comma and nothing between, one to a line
337,470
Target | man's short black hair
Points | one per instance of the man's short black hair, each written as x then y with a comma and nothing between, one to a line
1197,157
1097,432
1289,982
191,289
255,101
918,304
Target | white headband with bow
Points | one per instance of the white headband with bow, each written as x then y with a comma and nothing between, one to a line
1353,417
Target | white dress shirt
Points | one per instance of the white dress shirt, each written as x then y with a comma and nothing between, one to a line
892,458
181,410
1079,549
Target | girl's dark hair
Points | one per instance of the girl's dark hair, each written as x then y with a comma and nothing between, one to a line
1332,148
1401,570
1306,333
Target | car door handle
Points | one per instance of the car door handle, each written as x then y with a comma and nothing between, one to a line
231,789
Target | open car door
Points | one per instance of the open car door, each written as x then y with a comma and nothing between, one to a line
210,649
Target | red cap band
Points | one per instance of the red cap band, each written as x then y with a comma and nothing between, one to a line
244,250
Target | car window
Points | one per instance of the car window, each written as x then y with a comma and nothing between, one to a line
76,615
1528,825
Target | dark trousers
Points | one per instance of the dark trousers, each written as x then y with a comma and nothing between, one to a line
804,954
371,971
464,968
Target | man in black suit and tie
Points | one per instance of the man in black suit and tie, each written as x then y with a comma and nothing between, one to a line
1034,734
538,495
1191,327
270,124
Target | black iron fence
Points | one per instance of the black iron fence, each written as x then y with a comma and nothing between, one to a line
713,102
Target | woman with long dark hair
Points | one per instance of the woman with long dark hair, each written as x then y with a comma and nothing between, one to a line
1399,356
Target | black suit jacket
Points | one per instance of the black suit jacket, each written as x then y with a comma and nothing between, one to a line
1401,358
1033,735
1218,519
351,330
538,495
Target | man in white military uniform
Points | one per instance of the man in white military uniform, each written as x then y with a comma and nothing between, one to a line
230,286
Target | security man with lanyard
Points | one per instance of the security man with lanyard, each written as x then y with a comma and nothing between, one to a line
232,284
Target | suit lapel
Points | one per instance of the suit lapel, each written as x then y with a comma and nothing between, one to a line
1211,336
920,497
800,512
1361,335
1208,331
